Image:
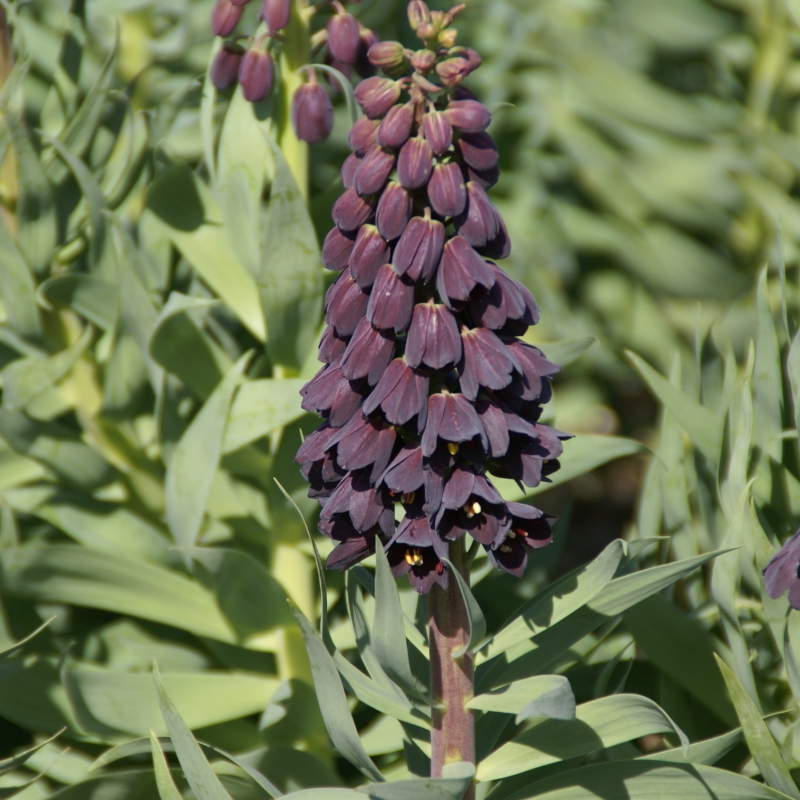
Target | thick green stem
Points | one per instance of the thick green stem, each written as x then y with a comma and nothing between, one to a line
453,727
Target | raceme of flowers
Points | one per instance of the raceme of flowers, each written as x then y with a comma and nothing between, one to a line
344,40
426,387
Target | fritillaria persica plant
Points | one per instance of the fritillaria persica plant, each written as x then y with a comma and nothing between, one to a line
427,389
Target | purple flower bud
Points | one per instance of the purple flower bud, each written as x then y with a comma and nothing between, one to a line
377,95
364,443
225,68
453,70
402,394
345,304
331,346
461,269
423,60
415,163
477,150
391,301
438,132
225,17
277,13
418,14
255,74
363,134
366,38
369,254
312,113
485,179
343,38
469,116
479,223
351,210
419,249
500,246
393,211
395,127
433,337
388,56
373,171
452,418
368,354
446,190
487,362
349,169
336,249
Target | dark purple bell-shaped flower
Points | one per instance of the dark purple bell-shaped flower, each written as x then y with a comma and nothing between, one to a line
312,112
255,74
343,36
477,150
276,13
374,170
225,17
529,529
395,127
433,338
446,190
377,95
453,418
225,67
412,552
391,301
487,362
438,132
468,116
351,210
394,211
783,572
368,354
478,223
461,269
370,253
401,394
420,248
336,249
363,134
415,163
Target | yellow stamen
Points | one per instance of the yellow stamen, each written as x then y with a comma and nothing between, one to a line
512,535
408,498
472,509
505,548
413,557
452,447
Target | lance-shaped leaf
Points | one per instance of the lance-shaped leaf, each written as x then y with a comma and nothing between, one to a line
706,752
167,790
17,288
194,461
540,696
94,298
477,622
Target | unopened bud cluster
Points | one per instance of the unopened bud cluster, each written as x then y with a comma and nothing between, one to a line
426,389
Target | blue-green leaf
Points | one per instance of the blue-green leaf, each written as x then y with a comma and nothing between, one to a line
477,622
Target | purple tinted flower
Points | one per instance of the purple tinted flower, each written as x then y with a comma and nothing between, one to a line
536,369
343,39
423,61
461,269
330,394
478,517
349,168
420,248
469,116
391,301
433,338
369,254
388,56
255,74
783,572
363,134
479,223
412,553
401,394
336,249
415,163
484,178
364,443
276,13
312,113
500,246
377,95
394,211
395,127
225,69
453,418
331,346
345,304
350,550
351,210
487,362
506,302
446,190
477,150
368,354
366,506
453,70
499,421
373,171
225,17
526,457
366,38
405,473
418,14
438,132
529,529
467,486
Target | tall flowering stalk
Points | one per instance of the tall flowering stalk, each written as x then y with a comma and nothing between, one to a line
426,388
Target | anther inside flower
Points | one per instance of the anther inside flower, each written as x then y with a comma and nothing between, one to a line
427,390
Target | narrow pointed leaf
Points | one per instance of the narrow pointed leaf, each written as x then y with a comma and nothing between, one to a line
477,622
167,790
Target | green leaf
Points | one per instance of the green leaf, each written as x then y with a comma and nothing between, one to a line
7,651
196,457
167,790
581,455
477,622
26,378
647,780
452,786
333,701
261,407
707,752
390,646
557,601
767,380
92,297
701,423
541,696
597,725
793,371
202,779
187,209
78,576
14,762
292,297
762,746
682,649
17,288
566,352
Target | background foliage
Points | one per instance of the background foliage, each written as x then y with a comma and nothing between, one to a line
153,342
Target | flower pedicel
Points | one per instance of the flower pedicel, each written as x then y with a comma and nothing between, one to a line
426,389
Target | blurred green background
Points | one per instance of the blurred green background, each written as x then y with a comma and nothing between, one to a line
649,152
